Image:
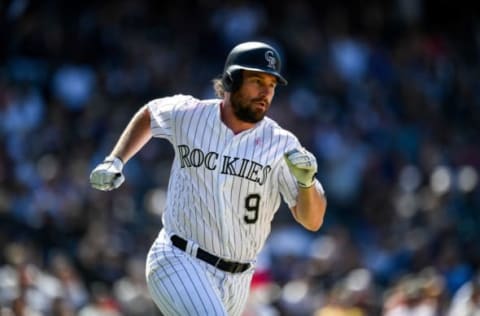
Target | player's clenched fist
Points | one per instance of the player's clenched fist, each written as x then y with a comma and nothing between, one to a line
302,165
107,175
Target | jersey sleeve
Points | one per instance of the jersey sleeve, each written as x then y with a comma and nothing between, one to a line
162,114
287,185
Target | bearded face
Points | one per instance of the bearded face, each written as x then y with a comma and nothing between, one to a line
251,110
252,100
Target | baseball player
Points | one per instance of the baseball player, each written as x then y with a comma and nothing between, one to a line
233,165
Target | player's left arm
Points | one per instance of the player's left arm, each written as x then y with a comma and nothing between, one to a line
311,202
310,208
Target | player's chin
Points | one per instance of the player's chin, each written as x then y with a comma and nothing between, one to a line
258,114
253,117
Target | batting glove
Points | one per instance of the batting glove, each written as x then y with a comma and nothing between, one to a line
302,165
107,175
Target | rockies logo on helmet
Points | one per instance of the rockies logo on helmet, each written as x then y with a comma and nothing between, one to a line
270,58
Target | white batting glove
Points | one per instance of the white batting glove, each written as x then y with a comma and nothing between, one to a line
107,175
303,165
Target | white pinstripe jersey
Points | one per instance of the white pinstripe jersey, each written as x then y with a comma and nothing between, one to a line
224,189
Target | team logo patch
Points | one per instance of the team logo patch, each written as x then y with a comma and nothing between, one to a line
270,58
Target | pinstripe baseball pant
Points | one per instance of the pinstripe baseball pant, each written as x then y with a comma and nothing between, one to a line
181,284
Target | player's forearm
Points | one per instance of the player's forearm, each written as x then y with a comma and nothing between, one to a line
310,208
134,137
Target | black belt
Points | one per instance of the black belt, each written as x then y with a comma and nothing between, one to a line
229,266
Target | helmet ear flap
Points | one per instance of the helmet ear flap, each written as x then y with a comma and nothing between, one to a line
227,81
232,81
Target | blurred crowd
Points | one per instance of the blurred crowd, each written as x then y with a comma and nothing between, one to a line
385,93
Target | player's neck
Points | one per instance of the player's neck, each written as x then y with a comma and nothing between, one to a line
231,121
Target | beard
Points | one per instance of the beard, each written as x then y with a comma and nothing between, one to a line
245,110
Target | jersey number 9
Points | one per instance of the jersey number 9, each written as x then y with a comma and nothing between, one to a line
252,204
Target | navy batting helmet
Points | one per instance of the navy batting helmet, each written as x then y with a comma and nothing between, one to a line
254,56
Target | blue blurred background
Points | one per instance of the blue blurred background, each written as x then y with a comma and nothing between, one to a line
385,93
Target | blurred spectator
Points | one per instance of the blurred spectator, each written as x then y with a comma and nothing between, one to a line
74,292
415,295
21,307
132,292
102,303
61,308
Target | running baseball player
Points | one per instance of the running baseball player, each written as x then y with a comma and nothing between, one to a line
233,165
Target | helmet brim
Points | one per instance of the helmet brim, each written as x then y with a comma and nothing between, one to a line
280,79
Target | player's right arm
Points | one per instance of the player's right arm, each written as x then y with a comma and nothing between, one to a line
155,119
108,174
134,137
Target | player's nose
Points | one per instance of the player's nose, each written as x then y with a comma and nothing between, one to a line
266,91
